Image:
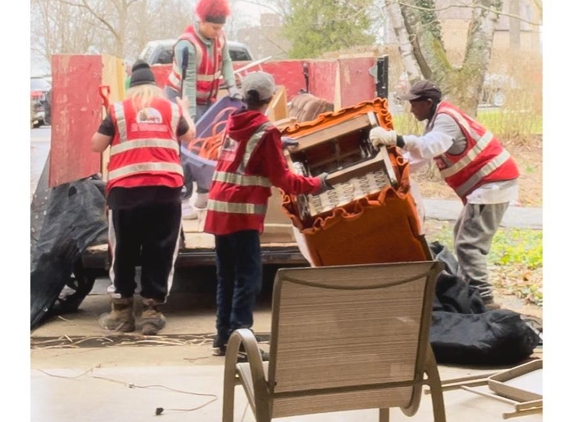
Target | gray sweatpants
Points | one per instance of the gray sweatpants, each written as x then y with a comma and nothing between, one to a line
473,234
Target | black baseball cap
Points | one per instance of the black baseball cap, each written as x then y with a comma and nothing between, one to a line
423,89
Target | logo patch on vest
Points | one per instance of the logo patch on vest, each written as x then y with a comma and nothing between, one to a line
149,115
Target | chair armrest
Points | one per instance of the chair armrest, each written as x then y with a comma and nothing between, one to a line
255,360
247,338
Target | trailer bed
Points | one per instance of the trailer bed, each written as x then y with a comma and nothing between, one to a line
277,247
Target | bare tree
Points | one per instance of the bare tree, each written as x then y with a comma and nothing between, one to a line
419,34
57,27
156,20
111,15
117,27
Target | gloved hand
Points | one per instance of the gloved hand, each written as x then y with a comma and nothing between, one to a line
324,185
288,142
235,94
382,137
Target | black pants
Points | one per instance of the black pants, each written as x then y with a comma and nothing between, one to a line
239,280
147,235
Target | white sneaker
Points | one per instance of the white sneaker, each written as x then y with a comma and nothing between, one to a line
201,200
188,211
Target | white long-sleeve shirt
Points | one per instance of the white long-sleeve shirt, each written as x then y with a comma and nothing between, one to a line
443,135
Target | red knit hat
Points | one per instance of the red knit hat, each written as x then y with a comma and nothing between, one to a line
214,11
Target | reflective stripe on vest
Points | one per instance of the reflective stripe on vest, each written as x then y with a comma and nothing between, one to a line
483,172
202,92
120,119
251,145
236,208
144,143
175,116
145,167
479,147
241,179
209,78
174,78
463,122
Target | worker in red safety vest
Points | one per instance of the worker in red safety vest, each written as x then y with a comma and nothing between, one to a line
251,161
201,57
144,133
473,163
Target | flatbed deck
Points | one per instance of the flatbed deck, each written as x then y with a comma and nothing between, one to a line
277,247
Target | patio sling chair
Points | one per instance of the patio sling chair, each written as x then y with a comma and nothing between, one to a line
342,338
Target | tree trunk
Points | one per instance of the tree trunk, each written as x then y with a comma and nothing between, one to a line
469,84
514,26
420,37
406,49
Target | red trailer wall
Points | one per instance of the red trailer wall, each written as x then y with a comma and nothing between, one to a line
323,79
77,113
288,73
356,84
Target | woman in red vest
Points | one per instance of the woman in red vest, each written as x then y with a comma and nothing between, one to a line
144,133
473,163
197,76
250,162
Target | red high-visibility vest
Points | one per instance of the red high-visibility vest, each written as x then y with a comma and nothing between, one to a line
208,67
484,160
250,193
145,149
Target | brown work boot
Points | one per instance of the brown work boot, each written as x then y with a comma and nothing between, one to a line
120,318
151,319
490,304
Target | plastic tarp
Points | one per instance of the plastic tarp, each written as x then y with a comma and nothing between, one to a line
65,220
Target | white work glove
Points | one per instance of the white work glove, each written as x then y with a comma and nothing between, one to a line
235,94
382,137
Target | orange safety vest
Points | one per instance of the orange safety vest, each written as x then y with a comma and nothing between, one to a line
237,201
145,149
484,160
208,67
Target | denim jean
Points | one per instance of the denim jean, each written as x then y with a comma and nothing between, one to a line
239,280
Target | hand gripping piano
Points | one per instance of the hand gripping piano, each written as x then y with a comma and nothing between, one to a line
355,168
370,206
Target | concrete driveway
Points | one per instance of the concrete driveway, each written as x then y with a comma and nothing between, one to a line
80,372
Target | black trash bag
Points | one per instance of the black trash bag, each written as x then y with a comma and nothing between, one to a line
499,337
73,220
79,285
452,293
463,332
443,254
455,295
